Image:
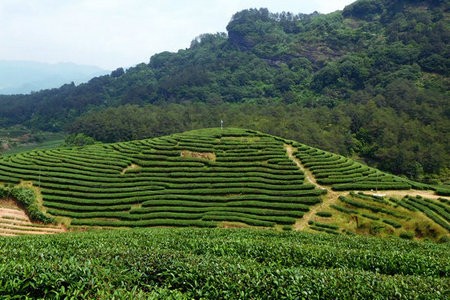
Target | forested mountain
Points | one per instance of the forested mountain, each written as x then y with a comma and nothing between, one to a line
371,81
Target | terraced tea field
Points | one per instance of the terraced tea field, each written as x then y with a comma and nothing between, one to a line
202,178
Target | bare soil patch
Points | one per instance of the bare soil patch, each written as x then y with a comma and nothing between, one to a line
14,221
130,167
211,156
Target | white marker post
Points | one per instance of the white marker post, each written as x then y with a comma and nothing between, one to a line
221,124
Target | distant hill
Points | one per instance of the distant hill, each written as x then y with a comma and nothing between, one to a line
220,177
23,77
370,82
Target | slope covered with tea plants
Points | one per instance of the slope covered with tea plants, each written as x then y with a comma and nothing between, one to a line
203,178
199,178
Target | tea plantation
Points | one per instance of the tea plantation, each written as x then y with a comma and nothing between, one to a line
199,178
216,178
203,178
171,263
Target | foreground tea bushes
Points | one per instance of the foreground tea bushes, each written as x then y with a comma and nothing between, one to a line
219,263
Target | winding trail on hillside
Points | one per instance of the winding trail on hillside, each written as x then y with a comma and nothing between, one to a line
330,198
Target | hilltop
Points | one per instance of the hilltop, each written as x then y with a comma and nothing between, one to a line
369,81
219,178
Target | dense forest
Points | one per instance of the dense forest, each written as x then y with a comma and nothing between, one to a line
371,82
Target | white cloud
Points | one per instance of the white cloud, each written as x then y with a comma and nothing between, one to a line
113,33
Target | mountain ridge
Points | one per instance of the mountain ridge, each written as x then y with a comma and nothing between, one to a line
369,81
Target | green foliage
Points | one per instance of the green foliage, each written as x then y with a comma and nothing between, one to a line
79,139
391,211
220,264
343,209
392,223
440,214
345,174
407,235
372,217
443,191
325,214
349,75
370,206
324,225
27,198
150,183
371,186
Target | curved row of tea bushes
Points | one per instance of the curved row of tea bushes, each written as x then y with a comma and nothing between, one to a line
343,173
443,191
372,207
371,185
258,207
323,226
437,212
201,177
310,198
375,198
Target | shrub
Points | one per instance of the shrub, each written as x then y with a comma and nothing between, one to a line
392,223
323,229
443,191
371,207
287,227
343,209
371,186
325,214
407,235
27,198
372,217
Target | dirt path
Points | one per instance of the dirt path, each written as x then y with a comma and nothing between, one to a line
330,198
308,175
403,193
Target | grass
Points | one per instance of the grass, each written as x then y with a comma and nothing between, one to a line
49,141
380,216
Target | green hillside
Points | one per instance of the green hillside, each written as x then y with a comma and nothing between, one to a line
217,177
370,81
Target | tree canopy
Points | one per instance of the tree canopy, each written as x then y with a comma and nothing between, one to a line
370,81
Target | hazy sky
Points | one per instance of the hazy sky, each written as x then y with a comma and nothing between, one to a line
121,33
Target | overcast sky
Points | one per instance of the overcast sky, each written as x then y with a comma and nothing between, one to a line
121,33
